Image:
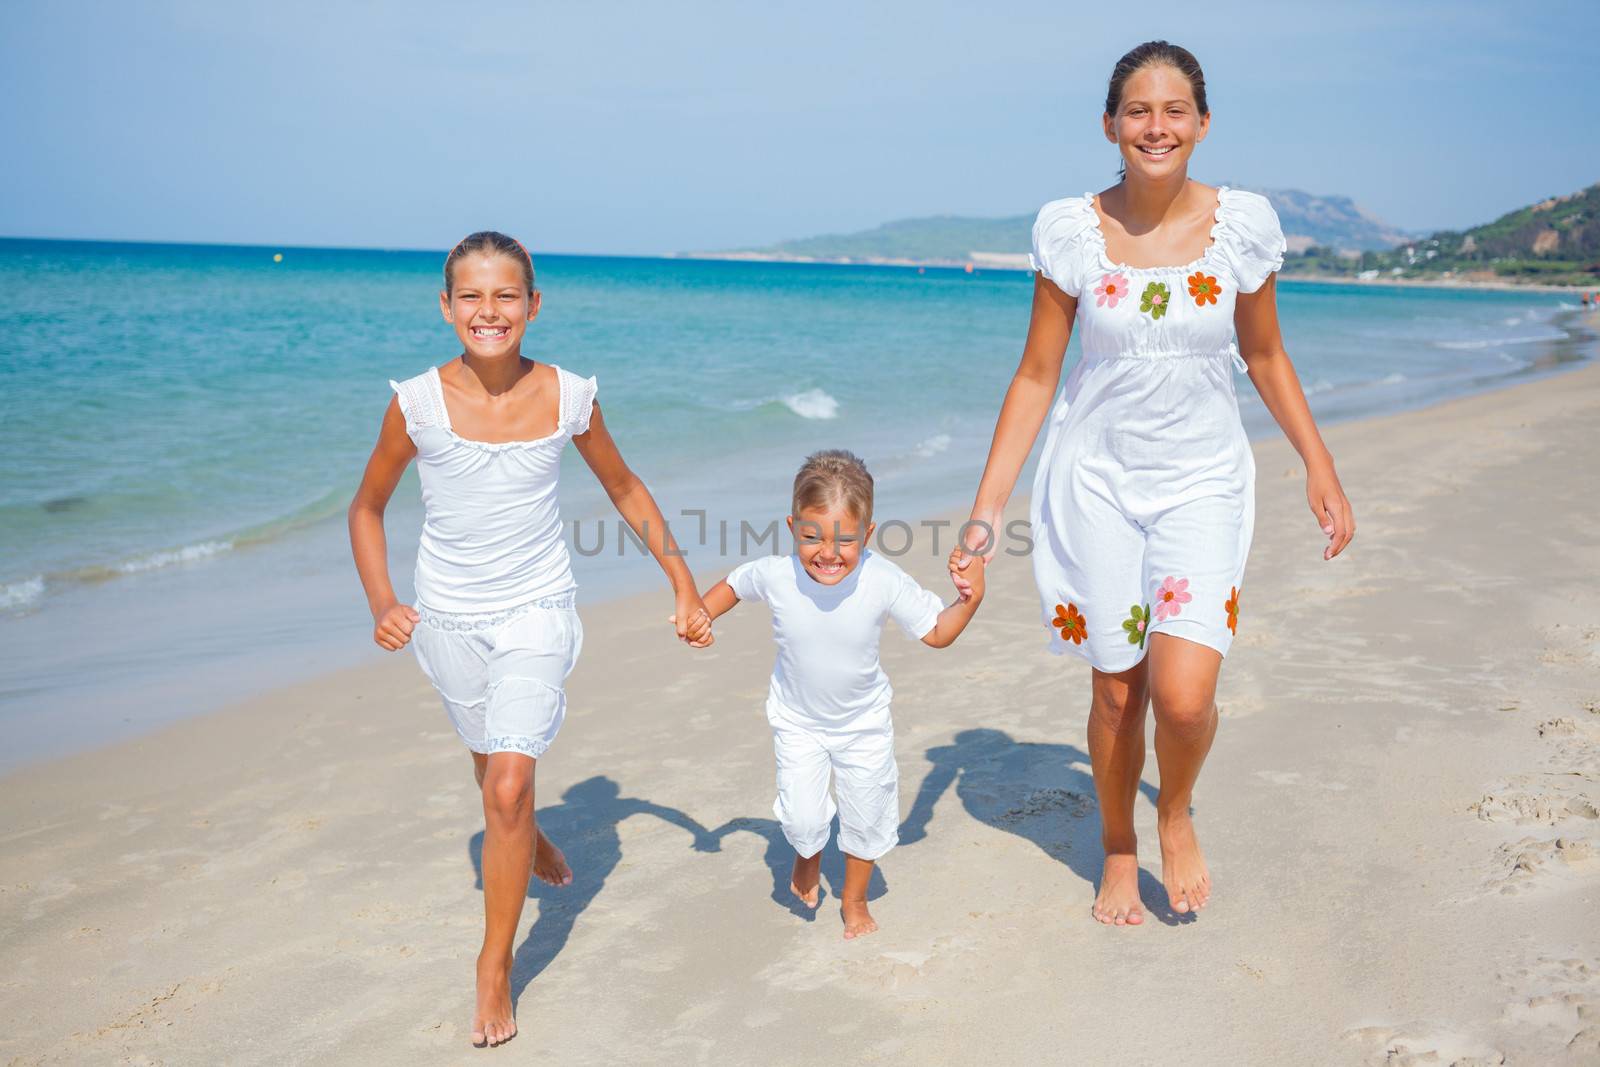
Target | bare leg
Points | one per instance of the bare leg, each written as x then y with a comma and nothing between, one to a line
853,901
806,880
1183,690
549,863
1116,752
508,837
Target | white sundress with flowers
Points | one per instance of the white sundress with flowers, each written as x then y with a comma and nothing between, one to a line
1144,500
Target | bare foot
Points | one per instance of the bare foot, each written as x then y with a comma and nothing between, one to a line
857,920
1118,902
806,882
1183,869
493,1023
549,865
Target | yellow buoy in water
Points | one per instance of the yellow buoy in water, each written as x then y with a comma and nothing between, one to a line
277,257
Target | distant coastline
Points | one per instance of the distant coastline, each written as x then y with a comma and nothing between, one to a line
1018,261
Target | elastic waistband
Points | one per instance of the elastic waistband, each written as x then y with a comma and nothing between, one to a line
487,620
1231,352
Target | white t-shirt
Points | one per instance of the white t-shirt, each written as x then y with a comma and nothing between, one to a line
827,635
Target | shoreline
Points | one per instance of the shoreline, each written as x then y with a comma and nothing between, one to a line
989,261
293,879
246,675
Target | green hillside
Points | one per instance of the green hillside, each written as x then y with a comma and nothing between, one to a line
1556,240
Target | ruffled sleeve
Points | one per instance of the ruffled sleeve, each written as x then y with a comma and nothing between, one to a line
420,403
1063,234
1251,238
577,402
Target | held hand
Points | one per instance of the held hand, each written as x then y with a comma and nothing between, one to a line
982,531
692,620
1331,508
393,625
967,572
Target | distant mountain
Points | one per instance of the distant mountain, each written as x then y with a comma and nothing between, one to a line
1308,221
1554,240
1330,221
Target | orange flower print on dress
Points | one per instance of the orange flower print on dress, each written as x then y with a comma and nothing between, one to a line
1204,288
1233,612
1071,623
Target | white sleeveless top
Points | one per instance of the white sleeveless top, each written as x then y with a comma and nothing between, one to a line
491,531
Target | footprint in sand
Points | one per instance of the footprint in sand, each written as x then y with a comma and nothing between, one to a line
1534,864
1532,804
1556,1002
1414,1044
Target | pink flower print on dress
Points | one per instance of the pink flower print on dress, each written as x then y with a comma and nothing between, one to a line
1112,287
1170,598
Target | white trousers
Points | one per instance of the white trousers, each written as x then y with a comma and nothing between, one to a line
859,757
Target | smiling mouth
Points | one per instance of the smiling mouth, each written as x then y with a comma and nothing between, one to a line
1158,151
489,333
827,568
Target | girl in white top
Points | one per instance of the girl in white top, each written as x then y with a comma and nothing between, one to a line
494,624
828,702
1144,500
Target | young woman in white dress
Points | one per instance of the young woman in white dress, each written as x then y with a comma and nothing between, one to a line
1143,504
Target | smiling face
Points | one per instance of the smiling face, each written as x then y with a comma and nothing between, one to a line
489,304
1157,123
829,541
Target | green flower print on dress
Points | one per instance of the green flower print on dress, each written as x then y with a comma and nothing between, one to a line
1138,618
1155,299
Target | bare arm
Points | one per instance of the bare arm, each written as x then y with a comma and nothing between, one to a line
639,510
954,618
1027,403
392,620
1271,371
720,599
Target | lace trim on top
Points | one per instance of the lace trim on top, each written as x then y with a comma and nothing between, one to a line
420,403
458,622
577,401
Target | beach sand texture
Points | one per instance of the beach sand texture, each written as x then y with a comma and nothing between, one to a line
1399,813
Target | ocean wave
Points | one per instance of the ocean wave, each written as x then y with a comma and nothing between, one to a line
812,404
1321,385
18,595
932,446
1479,344
1392,379
172,556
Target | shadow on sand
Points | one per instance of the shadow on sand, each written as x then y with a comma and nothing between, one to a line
584,826
779,858
1043,793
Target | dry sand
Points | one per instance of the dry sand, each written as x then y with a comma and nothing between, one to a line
1400,815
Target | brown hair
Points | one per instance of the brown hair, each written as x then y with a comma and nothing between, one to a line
833,476
494,243
1152,54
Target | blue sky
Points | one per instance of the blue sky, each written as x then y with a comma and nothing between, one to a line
639,128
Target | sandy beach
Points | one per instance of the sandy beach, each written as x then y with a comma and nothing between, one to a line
1399,814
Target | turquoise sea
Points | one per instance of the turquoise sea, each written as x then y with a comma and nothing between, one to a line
181,428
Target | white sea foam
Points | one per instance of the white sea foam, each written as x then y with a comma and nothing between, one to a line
1392,379
933,446
1481,343
812,404
19,595
169,557
1321,385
